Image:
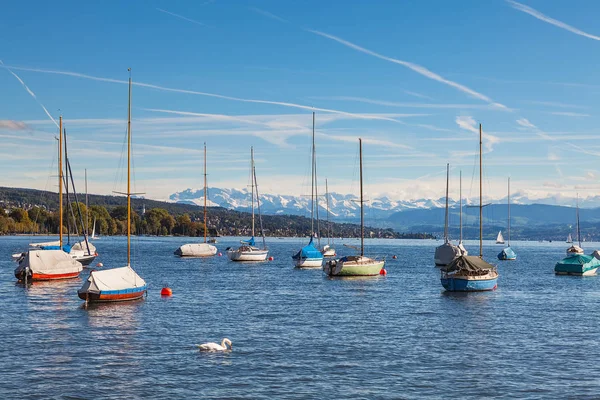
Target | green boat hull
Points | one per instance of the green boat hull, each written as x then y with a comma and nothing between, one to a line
356,269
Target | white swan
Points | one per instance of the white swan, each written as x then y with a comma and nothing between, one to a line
216,347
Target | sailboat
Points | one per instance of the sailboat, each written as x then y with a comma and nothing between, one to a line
199,249
55,263
447,252
508,254
577,263
328,250
569,239
94,237
471,273
309,256
248,250
461,247
356,265
122,283
576,249
500,238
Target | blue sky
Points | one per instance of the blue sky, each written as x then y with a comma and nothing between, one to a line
412,78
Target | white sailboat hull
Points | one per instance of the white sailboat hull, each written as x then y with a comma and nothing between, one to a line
309,263
247,255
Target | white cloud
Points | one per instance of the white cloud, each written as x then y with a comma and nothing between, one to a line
13,125
570,114
469,124
524,122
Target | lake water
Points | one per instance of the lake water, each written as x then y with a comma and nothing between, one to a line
299,334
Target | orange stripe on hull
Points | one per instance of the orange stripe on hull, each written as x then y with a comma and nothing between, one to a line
105,298
51,277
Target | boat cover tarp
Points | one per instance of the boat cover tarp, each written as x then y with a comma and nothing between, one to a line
445,253
577,263
83,247
507,254
196,250
464,251
79,246
49,262
469,264
308,251
113,279
596,254
249,242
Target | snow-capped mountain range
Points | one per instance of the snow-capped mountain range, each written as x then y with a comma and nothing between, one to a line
344,206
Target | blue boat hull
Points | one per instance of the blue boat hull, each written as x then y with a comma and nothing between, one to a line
469,285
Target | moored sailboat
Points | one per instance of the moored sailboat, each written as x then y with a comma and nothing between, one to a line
309,256
575,249
471,273
447,252
508,254
360,265
122,283
248,251
54,263
199,249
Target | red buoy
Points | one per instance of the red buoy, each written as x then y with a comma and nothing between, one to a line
220,254
99,265
166,291
394,256
383,272
271,258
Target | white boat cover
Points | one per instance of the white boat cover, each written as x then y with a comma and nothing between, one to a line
463,251
196,250
446,253
81,246
49,262
574,250
112,279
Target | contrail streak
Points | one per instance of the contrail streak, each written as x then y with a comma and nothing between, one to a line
219,96
415,67
180,16
30,92
543,17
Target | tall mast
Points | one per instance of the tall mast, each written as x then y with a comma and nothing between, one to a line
446,217
67,188
480,197
252,184
578,231
60,185
312,181
362,214
460,213
509,211
316,186
205,192
129,174
87,211
328,223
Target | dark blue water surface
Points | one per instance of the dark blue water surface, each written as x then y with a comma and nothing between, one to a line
299,334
